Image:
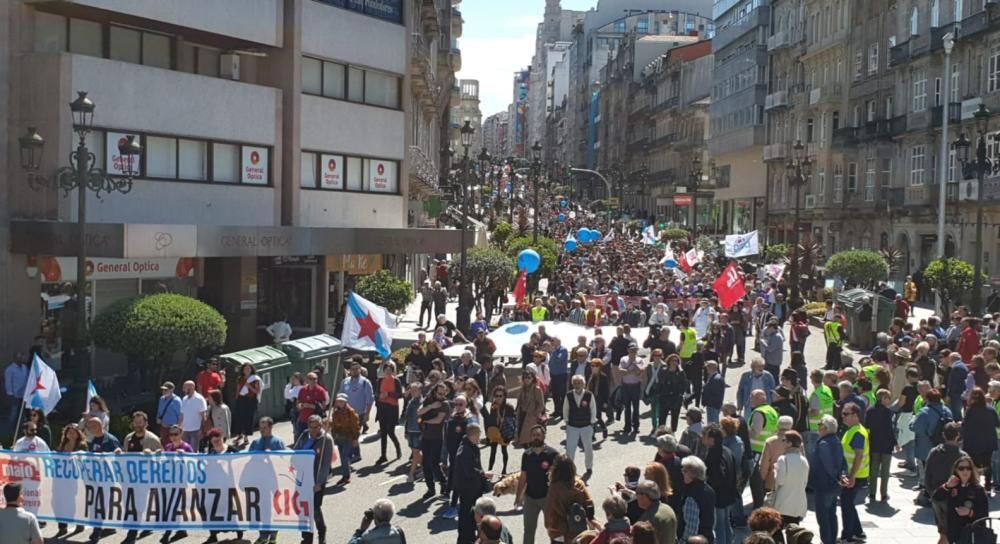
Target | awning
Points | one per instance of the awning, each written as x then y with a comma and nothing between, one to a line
129,241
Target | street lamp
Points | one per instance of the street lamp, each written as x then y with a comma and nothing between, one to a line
798,169
536,168
980,166
463,319
696,174
83,176
484,168
510,191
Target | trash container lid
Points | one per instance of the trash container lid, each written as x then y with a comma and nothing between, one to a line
321,343
262,358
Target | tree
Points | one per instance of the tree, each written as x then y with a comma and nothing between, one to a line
153,328
893,257
858,267
547,249
951,277
674,234
385,289
501,233
777,253
599,206
487,265
707,245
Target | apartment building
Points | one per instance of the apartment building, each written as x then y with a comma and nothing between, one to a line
275,164
467,109
495,133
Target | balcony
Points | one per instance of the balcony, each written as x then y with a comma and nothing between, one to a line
727,35
665,139
899,54
667,104
897,125
775,152
954,115
456,59
938,32
255,21
977,23
456,23
424,73
736,139
825,42
778,40
845,136
826,94
664,176
776,100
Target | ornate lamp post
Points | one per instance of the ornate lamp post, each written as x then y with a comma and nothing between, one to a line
536,169
980,165
82,175
696,174
463,319
484,170
798,169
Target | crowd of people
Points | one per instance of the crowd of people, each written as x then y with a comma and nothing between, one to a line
928,396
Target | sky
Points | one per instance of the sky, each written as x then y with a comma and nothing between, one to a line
498,38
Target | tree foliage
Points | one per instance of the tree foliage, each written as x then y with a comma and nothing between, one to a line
707,245
155,327
674,234
858,267
893,257
951,277
547,249
487,265
599,205
501,234
385,289
777,253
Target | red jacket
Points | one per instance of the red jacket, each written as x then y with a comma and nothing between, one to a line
312,396
968,344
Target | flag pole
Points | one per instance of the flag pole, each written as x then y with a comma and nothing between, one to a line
17,428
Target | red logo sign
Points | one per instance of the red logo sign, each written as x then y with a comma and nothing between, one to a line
683,200
332,165
254,157
288,502
13,471
381,169
545,465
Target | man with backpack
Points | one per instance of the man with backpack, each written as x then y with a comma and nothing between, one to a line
928,429
939,464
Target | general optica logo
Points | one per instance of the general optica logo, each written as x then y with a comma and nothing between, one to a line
254,157
381,169
332,165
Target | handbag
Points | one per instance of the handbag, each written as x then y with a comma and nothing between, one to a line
978,532
508,428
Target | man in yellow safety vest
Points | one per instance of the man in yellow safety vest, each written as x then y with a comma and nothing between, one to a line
763,425
857,454
689,340
820,404
539,312
833,333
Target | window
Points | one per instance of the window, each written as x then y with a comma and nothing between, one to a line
312,76
308,168
821,187
873,58
207,60
994,70
937,91
355,84
919,91
852,177
957,12
914,22
226,163
952,171
869,180
53,40
354,174
870,108
86,38
836,120
954,82
642,27
192,161
139,47
936,13
838,183
889,107
917,165
858,64
381,89
809,130
856,120
161,157
334,78
156,50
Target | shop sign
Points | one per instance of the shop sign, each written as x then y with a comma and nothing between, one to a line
296,259
354,265
382,176
683,200
255,165
389,10
113,160
160,240
56,269
332,172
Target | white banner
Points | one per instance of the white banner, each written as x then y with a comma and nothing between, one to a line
241,491
742,245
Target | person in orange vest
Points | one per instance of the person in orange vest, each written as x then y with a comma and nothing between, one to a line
592,317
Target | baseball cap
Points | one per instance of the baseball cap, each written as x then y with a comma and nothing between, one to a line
633,345
167,385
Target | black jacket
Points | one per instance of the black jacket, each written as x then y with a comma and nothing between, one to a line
722,475
979,430
880,432
704,496
467,472
939,464
671,386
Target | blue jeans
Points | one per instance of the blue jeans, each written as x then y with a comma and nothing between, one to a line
631,394
956,409
345,451
849,511
811,438
909,457
826,515
724,533
713,414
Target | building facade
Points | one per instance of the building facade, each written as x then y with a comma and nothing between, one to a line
277,155
495,129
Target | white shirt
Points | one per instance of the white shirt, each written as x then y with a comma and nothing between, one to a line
280,331
30,444
292,392
245,390
192,408
791,474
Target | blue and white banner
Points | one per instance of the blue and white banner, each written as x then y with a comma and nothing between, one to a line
166,491
742,245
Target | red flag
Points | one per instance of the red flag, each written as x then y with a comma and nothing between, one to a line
729,286
521,287
683,263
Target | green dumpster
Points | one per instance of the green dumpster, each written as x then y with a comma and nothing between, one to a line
321,350
273,367
857,305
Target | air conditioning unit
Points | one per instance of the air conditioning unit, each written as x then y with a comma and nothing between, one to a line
968,189
229,66
810,202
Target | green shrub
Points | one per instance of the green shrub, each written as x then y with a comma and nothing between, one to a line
547,249
670,235
777,253
951,277
501,234
858,267
385,289
154,327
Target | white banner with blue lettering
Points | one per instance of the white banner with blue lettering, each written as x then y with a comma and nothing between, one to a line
240,491
742,245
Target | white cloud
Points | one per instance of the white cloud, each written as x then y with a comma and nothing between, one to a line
493,62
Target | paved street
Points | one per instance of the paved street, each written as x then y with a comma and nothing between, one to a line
897,522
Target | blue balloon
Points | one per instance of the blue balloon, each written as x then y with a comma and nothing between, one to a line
562,217
570,245
597,235
528,260
563,203
583,234
593,235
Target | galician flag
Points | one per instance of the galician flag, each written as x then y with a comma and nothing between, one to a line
649,236
42,390
91,393
365,326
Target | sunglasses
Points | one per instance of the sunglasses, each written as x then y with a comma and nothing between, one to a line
175,434
964,469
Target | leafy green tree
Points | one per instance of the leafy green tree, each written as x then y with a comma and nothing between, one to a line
707,245
858,267
487,265
385,289
777,253
599,205
501,233
951,277
669,235
547,249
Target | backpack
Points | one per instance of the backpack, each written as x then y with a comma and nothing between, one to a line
937,435
508,428
576,519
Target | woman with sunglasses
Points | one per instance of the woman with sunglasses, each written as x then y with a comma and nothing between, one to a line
495,416
176,444
965,498
72,440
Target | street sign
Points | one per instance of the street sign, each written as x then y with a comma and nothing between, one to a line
683,200
614,202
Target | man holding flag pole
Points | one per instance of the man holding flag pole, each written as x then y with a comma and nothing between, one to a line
42,390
